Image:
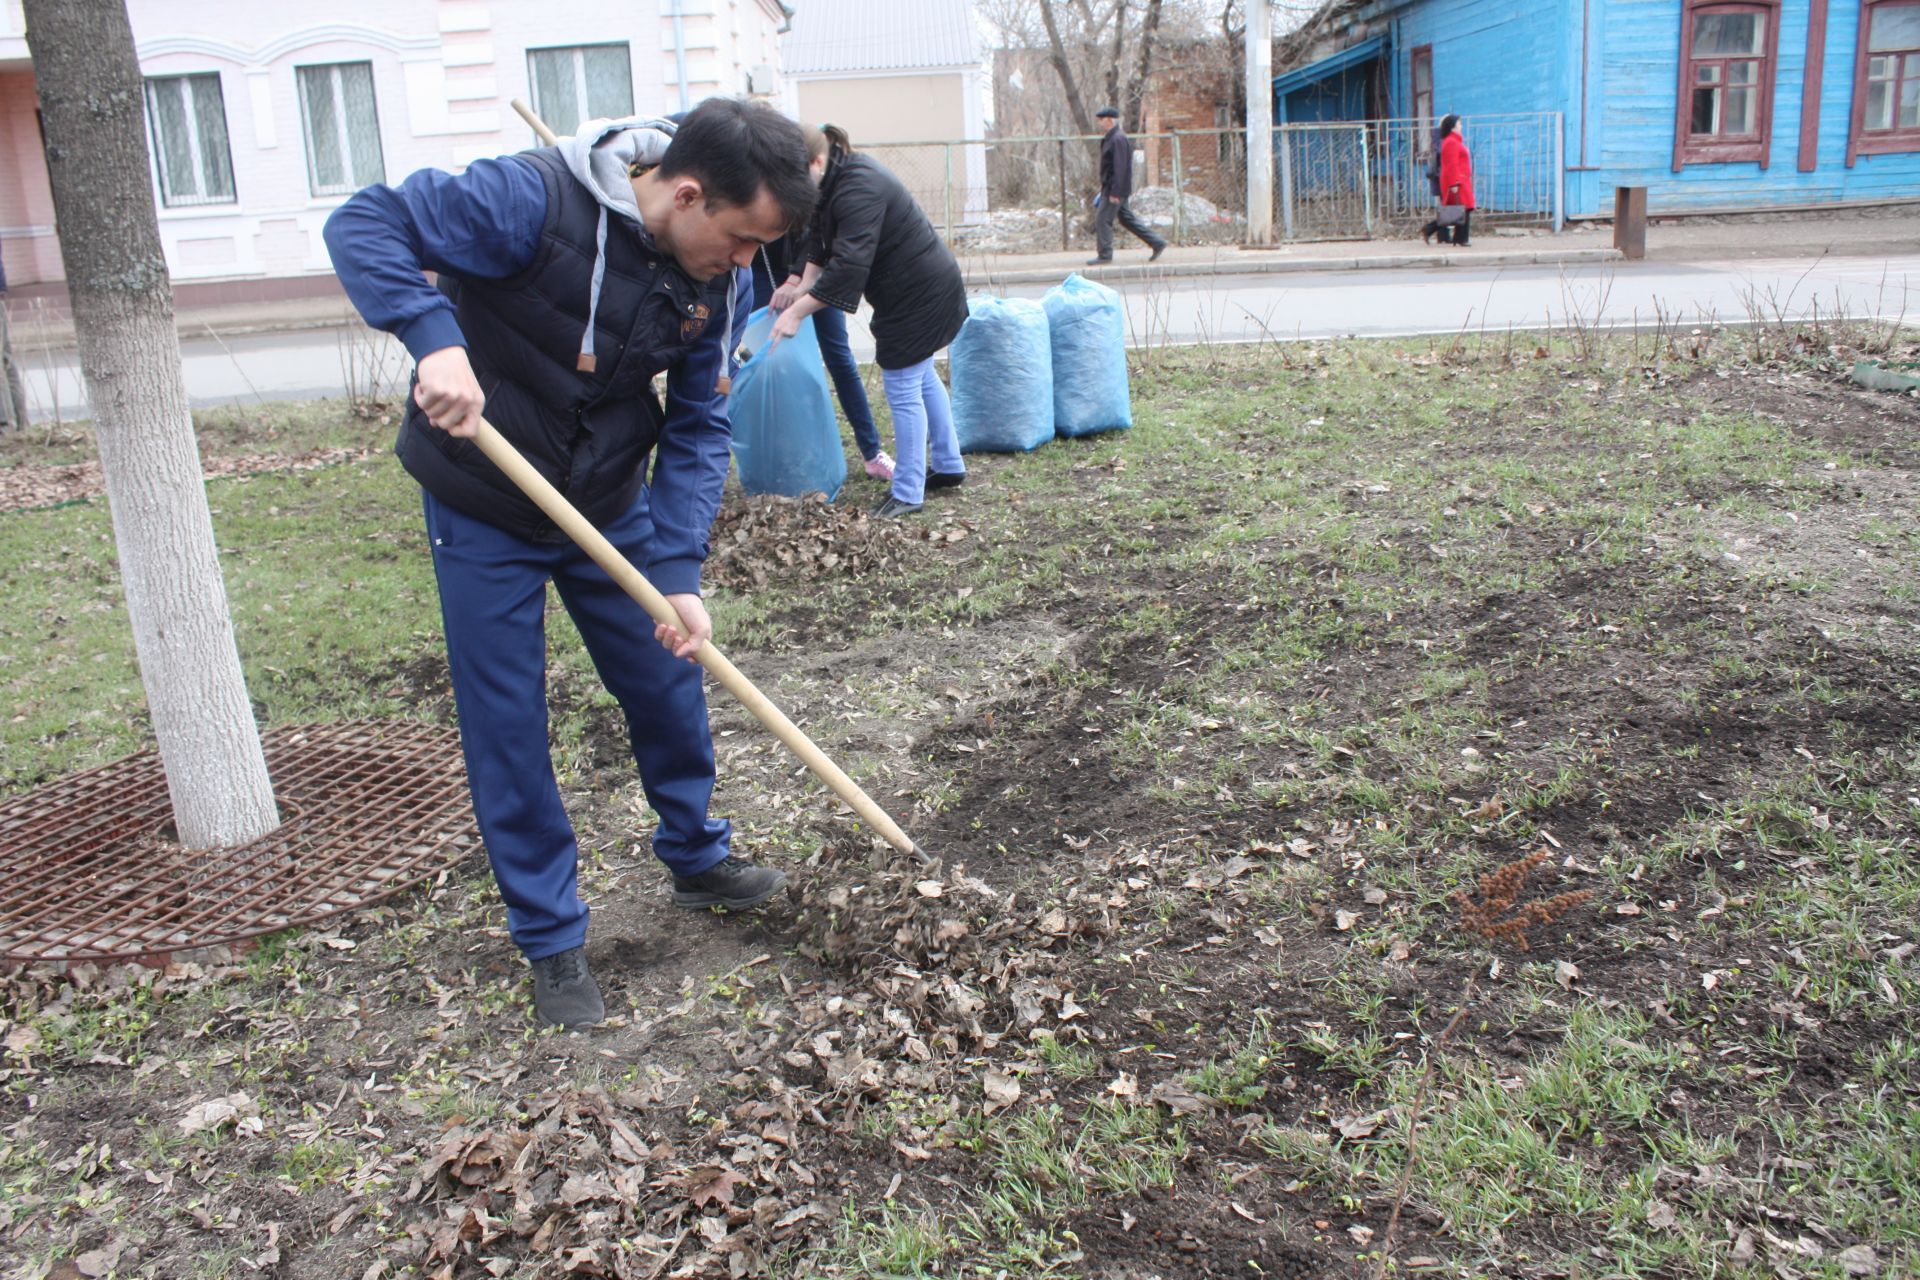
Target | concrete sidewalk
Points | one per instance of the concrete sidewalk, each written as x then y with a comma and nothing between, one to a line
986,271
41,322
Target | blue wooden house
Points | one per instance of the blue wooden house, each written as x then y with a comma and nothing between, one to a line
1712,105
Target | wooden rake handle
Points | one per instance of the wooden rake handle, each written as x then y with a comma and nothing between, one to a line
546,135
635,584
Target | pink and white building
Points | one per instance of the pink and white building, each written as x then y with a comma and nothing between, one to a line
262,117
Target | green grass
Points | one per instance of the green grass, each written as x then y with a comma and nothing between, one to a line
1338,595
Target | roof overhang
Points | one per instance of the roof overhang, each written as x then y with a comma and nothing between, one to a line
885,73
1331,65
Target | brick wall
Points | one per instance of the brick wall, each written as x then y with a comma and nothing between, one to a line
1193,90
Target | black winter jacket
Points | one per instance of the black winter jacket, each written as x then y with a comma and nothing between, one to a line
871,238
1116,165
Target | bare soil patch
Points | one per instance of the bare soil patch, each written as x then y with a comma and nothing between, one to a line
1203,744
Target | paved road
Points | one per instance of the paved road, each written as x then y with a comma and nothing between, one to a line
1405,303
1222,309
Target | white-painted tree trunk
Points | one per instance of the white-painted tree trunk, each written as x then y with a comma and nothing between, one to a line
91,103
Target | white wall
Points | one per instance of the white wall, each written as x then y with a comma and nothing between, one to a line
444,73
13,31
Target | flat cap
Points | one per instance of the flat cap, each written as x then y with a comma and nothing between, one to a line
1107,113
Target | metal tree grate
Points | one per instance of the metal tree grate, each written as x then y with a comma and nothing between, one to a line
88,870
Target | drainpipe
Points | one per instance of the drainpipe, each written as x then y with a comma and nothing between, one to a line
680,51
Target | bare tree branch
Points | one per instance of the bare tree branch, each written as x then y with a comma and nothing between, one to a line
1057,55
1149,33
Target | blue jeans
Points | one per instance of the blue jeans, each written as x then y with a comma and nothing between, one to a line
493,599
830,331
922,429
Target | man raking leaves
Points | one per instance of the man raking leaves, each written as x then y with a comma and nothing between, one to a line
569,277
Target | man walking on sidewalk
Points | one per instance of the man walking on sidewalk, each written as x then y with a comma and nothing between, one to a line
1116,185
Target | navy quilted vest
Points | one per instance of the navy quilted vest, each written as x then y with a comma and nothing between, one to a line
587,433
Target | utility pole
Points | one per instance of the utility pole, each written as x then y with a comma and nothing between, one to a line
1259,123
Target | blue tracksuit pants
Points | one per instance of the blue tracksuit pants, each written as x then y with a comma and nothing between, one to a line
493,601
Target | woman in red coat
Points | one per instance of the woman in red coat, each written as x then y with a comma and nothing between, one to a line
1456,180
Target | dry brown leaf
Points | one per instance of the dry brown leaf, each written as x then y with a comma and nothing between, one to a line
1179,1099
711,1184
215,1112
1360,1126
1002,1090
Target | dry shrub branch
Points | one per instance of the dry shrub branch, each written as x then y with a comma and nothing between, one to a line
1499,890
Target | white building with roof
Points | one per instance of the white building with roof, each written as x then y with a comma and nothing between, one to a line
263,118
891,72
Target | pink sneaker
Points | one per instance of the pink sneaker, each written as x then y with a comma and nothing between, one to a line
880,466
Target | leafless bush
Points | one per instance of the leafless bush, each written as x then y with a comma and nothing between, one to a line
373,371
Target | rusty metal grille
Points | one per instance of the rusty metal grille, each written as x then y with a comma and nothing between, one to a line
88,871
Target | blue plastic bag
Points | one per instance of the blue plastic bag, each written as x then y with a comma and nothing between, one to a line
786,438
1089,330
1002,372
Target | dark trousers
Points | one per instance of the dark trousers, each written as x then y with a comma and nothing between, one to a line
1103,227
1455,234
830,331
493,600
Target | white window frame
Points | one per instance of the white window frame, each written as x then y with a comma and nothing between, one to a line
171,194
344,135
583,109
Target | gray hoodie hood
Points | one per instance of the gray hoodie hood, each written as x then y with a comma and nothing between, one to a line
602,156
602,153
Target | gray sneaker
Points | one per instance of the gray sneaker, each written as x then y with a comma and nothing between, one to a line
735,884
564,993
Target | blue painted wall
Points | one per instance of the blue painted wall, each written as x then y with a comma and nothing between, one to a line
1489,56
1633,121
1611,68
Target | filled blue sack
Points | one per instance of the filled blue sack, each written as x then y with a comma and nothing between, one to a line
1089,331
786,439
1001,366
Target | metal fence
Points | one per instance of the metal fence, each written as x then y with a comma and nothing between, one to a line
1012,195
1359,179
1349,180
1035,194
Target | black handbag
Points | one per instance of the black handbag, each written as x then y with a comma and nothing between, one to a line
1451,215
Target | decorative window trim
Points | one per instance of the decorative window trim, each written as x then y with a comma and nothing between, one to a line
1878,142
1811,82
1421,55
1688,150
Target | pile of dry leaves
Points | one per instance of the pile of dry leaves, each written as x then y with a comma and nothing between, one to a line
576,1184
766,537
24,487
938,967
